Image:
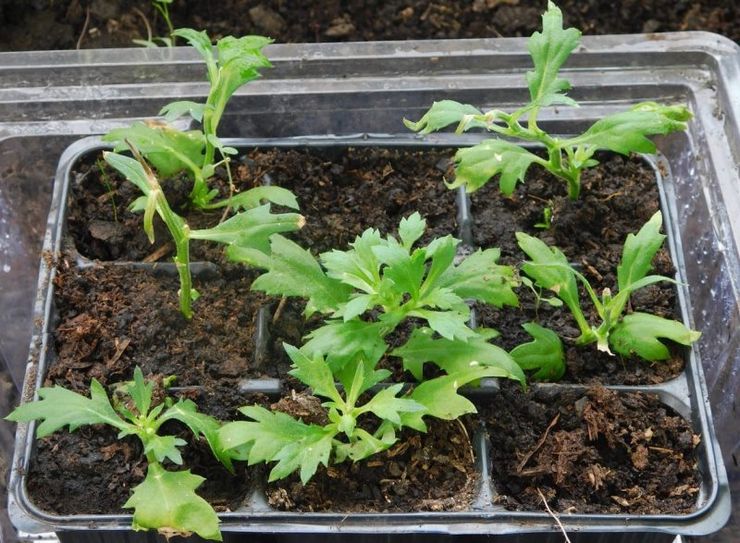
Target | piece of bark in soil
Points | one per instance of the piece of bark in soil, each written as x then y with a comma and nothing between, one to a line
606,453
433,471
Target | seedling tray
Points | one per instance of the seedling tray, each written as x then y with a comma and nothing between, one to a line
682,394
381,83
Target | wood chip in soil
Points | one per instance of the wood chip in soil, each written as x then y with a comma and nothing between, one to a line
591,452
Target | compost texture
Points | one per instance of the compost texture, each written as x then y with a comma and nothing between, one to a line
114,23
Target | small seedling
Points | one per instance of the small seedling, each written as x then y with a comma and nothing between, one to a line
245,233
170,150
166,500
163,7
634,333
566,158
298,446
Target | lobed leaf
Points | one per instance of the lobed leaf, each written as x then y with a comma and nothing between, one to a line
201,425
251,228
544,354
59,407
386,405
454,356
342,342
479,277
550,269
627,132
549,50
167,149
314,373
474,166
277,437
180,108
166,501
294,271
641,333
257,196
441,115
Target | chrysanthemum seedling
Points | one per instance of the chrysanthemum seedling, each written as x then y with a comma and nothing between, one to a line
245,234
170,150
634,333
566,158
166,500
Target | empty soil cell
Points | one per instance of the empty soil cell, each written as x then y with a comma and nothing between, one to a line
341,192
113,318
595,451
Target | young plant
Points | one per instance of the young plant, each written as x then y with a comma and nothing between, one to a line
246,232
638,333
166,500
171,150
369,290
566,158
163,7
273,436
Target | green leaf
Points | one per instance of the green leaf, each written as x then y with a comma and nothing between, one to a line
545,354
627,132
133,171
278,437
550,269
314,373
163,447
166,501
474,166
358,267
167,149
639,251
140,392
455,356
440,115
175,110
448,324
59,407
239,61
365,444
440,397
411,229
251,228
640,333
201,425
478,277
202,43
342,342
294,271
387,406
255,197
549,50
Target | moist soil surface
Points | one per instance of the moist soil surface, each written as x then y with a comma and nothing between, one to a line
590,452
434,471
115,23
112,318
341,192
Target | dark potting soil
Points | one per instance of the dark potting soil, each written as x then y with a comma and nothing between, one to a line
341,192
91,471
593,452
433,471
115,23
113,318
617,198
